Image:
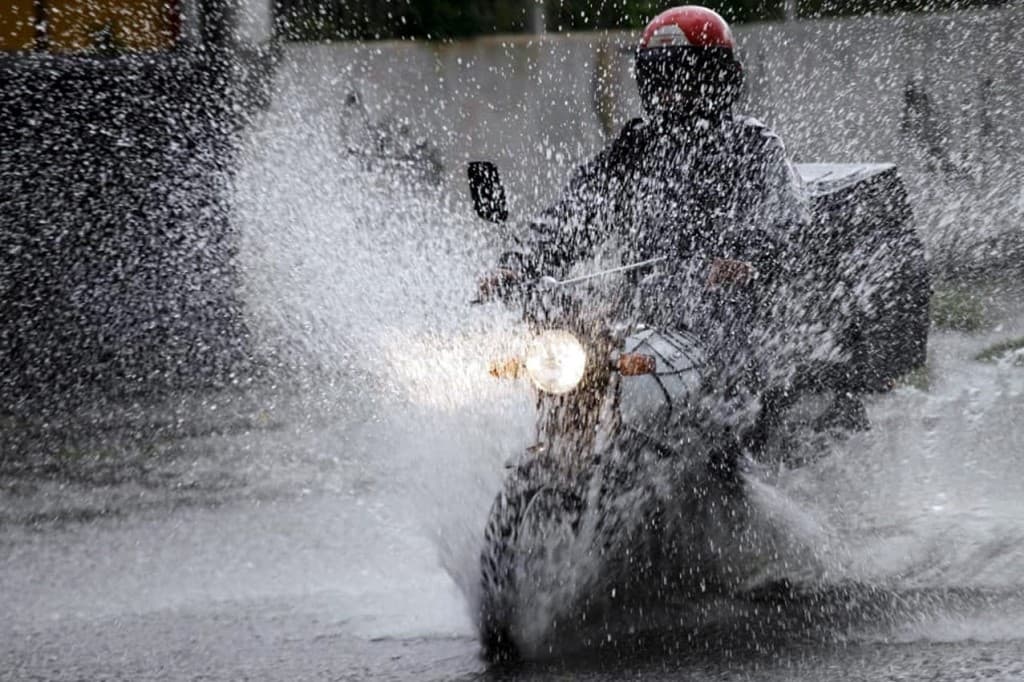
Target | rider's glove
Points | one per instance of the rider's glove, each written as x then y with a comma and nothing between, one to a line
727,273
497,283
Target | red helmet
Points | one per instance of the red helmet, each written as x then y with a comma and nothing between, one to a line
688,26
686,63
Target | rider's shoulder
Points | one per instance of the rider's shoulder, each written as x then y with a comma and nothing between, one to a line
631,132
626,145
755,130
633,125
752,125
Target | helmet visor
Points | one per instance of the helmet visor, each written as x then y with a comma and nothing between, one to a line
704,79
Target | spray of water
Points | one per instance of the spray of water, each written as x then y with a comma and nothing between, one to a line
359,281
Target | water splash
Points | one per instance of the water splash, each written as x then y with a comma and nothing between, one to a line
363,278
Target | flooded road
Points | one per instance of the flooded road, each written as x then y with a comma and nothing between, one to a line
297,550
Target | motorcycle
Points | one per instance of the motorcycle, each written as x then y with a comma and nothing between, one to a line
635,491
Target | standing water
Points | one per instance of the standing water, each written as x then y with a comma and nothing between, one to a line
326,522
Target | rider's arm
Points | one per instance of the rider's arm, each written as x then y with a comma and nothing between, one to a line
775,208
570,229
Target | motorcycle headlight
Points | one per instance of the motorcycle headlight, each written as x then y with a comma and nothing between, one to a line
555,361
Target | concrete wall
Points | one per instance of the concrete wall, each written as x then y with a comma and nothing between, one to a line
834,89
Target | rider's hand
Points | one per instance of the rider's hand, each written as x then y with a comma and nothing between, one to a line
728,272
494,284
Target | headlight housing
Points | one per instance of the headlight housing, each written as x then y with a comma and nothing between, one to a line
555,361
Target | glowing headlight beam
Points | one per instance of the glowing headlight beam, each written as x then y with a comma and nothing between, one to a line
555,361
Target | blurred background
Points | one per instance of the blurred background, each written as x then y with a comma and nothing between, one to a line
309,19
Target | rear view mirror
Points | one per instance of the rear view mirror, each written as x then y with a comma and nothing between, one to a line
487,191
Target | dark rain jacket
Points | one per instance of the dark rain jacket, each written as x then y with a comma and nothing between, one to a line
714,189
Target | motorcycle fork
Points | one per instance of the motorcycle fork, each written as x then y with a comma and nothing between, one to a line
570,426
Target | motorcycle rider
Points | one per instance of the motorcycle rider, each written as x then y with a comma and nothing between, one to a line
691,181
691,177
